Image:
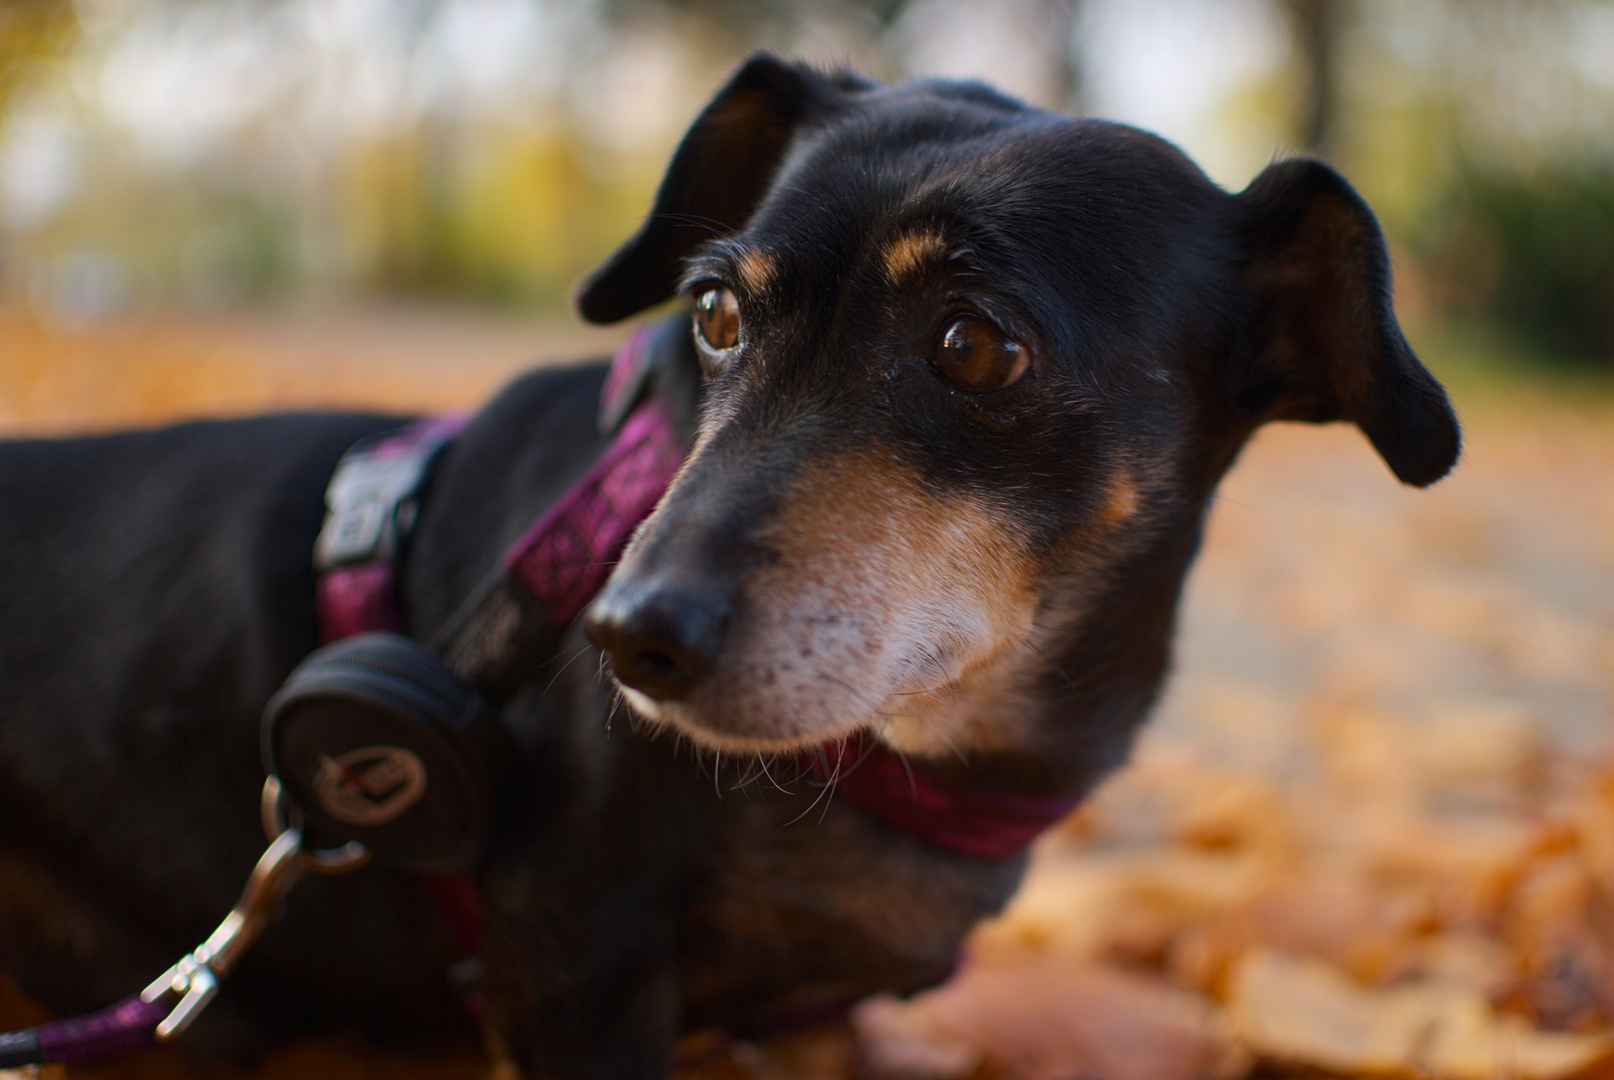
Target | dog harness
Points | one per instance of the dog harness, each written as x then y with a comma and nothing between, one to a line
565,558
511,620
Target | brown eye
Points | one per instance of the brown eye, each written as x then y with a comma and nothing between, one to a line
717,319
975,355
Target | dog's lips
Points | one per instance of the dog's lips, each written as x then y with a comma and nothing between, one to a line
708,730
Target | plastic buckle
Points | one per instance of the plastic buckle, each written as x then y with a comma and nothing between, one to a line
366,497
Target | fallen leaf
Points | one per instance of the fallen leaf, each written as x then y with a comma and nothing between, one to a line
1300,1011
1048,1020
1329,910
1127,902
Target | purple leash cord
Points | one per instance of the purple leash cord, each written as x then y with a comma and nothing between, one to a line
128,1025
168,1005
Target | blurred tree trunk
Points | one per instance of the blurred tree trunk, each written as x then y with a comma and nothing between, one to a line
1317,26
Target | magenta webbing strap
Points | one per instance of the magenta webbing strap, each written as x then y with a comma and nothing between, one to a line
627,379
567,554
353,599
552,571
903,794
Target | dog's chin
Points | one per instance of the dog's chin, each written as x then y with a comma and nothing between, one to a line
712,734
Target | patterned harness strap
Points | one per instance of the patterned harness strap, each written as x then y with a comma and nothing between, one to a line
545,579
515,618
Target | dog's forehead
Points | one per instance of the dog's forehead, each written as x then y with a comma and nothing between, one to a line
982,164
1066,218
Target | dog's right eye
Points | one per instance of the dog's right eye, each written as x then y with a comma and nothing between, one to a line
975,355
717,319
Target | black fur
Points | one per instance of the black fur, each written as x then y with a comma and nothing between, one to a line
155,587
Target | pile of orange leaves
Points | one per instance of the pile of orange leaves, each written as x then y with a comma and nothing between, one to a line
1430,903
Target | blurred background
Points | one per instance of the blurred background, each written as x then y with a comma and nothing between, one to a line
211,156
1371,829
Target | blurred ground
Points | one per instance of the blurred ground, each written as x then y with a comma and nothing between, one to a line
1370,832
161,367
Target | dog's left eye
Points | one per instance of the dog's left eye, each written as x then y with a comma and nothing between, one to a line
973,354
717,319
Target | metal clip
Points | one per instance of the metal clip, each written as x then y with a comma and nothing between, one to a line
195,979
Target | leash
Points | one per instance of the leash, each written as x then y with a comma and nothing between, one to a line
163,1010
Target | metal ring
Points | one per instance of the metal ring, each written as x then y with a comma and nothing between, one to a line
272,809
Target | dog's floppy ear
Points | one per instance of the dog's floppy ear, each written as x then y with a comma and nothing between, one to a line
716,178
1323,343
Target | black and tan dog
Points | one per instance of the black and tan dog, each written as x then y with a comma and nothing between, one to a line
968,374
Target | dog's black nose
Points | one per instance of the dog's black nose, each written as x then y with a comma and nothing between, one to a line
661,641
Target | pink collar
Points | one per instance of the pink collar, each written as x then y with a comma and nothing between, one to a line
567,554
906,795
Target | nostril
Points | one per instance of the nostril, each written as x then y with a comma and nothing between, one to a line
660,641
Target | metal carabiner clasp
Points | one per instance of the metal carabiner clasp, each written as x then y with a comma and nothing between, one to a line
195,979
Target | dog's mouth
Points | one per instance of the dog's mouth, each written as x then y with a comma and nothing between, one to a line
719,731
712,733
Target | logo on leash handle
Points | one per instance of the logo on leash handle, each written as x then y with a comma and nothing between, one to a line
370,786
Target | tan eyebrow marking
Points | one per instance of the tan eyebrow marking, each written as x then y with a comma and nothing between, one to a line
1121,501
910,251
756,270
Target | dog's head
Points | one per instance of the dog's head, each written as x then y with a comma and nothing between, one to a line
972,372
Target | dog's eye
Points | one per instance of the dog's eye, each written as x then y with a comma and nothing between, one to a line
717,319
975,355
